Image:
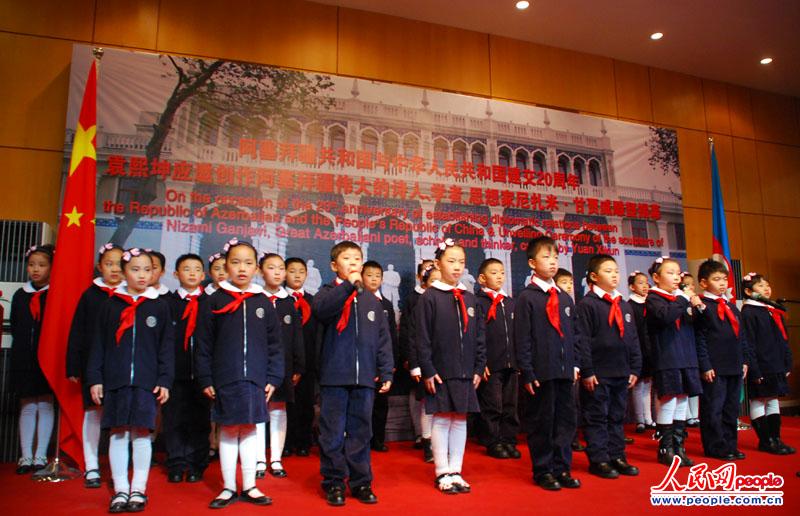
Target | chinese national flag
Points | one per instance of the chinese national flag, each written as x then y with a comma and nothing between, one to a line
71,273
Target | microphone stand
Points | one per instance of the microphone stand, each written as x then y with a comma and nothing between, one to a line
57,470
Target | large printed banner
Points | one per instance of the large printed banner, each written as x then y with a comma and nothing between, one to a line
193,152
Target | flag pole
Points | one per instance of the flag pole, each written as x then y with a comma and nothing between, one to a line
58,470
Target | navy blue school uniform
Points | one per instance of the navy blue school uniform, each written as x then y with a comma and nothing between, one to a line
350,361
380,408
637,304
27,378
724,349
611,355
294,351
772,357
130,369
497,397
238,352
550,358
670,328
301,412
81,332
407,351
449,347
186,415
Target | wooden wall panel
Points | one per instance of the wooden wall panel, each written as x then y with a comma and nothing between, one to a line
34,103
783,241
697,223
633,91
53,18
775,118
754,247
748,186
32,184
127,24
290,34
694,157
740,111
413,52
677,99
715,98
551,76
779,177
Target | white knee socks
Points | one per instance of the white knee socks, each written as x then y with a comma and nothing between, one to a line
139,438
758,408
238,440
247,455
448,439
693,411
425,421
27,427
277,430
118,459
681,408
142,453
773,407
642,402
91,438
35,416
665,410
457,442
261,446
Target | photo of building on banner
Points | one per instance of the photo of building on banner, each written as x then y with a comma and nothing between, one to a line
191,153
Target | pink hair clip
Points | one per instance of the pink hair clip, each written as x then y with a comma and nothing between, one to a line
634,273
230,243
32,249
447,242
214,257
749,276
131,253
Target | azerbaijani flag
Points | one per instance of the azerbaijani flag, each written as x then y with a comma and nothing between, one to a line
720,249
72,271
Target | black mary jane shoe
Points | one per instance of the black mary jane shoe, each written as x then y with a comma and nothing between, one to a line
136,502
24,469
640,428
255,500
548,482
119,503
623,468
738,455
364,494
219,503
445,485
512,451
261,473
335,496
174,477
460,485
277,472
194,476
302,452
566,480
94,482
603,470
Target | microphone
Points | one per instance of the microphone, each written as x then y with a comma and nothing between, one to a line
784,300
359,286
767,301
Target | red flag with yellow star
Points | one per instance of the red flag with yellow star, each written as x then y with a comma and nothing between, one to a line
72,272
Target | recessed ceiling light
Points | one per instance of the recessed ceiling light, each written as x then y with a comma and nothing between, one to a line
523,4
656,35
766,60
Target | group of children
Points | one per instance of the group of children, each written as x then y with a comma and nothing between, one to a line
227,358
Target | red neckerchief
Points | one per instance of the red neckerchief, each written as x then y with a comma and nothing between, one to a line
723,311
457,294
670,298
615,314
344,320
35,305
238,299
776,316
128,316
273,298
190,313
552,310
301,304
496,299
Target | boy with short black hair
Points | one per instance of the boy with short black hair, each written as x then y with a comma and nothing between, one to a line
356,349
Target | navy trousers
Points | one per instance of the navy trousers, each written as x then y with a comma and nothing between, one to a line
719,409
345,430
498,400
603,417
301,414
185,427
549,421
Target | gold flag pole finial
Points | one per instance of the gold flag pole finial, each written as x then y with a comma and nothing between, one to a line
98,52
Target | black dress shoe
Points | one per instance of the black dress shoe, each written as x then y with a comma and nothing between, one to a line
721,456
738,455
379,447
623,468
213,454
255,500
194,476
577,446
566,480
640,428
548,482
94,482
364,494
335,496
302,452
287,452
119,503
219,503
603,470
427,450
277,472
136,502
175,476
512,451
498,451
24,469
261,473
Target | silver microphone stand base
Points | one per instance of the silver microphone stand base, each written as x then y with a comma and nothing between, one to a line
56,471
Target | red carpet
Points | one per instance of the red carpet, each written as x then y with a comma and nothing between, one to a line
404,483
